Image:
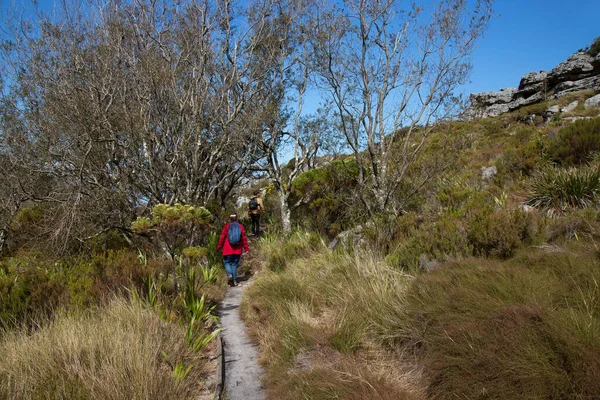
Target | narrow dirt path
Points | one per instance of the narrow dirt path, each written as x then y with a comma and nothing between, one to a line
243,375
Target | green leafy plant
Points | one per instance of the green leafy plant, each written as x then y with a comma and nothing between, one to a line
210,274
594,48
198,309
501,201
176,227
199,342
213,255
180,371
498,233
194,254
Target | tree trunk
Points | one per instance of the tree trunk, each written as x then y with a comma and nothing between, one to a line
3,237
286,218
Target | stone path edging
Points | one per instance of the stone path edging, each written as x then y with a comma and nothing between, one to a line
220,368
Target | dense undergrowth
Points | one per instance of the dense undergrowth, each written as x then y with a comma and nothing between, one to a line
113,324
120,351
321,320
483,287
351,326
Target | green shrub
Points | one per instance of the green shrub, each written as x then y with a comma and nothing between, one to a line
30,286
194,253
594,48
29,226
109,240
573,225
323,194
563,189
498,233
213,254
440,240
175,227
576,142
521,113
523,159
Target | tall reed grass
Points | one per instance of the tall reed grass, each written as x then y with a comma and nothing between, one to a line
323,320
123,351
349,326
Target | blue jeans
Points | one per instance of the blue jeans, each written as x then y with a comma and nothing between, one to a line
231,264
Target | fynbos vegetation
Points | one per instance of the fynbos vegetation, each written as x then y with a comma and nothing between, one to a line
405,252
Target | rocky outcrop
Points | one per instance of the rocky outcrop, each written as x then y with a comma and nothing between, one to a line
581,71
592,102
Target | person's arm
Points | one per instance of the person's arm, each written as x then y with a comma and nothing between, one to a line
222,238
261,206
244,239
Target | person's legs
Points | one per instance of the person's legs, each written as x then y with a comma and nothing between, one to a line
230,263
234,259
255,223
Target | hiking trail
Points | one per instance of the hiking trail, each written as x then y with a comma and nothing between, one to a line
243,375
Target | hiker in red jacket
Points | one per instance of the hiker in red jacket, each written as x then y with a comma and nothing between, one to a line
233,243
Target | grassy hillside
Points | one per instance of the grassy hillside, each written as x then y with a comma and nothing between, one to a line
468,294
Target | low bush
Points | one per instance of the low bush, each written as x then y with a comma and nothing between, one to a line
523,112
576,143
323,195
572,226
594,48
440,240
384,230
523,158
499,232
174,227
31,285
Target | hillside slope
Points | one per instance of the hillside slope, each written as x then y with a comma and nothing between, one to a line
479,290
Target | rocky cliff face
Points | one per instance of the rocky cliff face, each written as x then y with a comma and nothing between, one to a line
581,71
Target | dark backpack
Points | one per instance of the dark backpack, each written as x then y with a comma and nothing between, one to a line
234,233
253,205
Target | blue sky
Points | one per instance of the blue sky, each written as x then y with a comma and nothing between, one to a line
526,36
531,35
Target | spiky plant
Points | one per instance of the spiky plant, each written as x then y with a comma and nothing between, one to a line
564,189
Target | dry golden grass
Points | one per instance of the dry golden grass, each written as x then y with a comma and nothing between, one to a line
120,352
340,326
322,326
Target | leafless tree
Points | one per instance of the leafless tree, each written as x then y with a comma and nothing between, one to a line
281,129
391,71
132,103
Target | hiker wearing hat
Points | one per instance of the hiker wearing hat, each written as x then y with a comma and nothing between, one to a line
255,209
233,243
